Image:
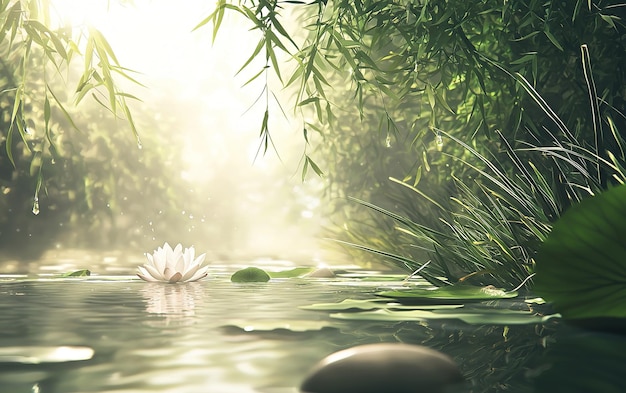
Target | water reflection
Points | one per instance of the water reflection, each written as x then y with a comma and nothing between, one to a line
175,303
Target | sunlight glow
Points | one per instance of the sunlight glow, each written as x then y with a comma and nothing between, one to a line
79,13
193,84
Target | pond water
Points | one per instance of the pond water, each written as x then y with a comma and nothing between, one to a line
218,336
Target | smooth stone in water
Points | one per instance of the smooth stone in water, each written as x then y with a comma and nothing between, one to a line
323,272
388,368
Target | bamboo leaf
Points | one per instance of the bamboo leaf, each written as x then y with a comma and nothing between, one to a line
255,53
553,39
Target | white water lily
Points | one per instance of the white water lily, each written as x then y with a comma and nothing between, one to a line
173,265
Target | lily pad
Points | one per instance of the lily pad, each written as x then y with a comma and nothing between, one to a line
449,294
77,273
581,266
372,304
291,273
479,317
250,274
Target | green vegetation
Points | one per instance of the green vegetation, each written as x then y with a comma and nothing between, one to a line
581,267
50,150
452,134
471,126
72,170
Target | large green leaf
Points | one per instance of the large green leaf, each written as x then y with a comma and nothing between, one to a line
581,267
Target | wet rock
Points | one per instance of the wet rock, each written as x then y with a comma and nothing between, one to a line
323,272
388,368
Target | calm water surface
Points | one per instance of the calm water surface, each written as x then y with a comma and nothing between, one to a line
221,337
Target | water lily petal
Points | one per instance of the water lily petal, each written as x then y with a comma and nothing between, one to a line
145,275
193,267
168,252
157,259
179,266
147,278
168,273
199,274
152,271
178,250
175,278
200,259
189,256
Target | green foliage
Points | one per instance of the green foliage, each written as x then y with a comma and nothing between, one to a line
89,181
60,158
581,267
454,102
34,51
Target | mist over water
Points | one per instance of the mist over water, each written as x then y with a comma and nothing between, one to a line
238,201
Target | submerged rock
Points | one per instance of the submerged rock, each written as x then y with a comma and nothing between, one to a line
388,368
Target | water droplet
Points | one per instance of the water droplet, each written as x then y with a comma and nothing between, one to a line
139,144
36,206
52,161
439,140
388,141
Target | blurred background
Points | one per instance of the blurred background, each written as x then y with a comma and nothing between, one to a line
198,174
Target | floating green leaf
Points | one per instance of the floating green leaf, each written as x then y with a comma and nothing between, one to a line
291,273
77,273
451,293
476,317
581,267
372,304
250,274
